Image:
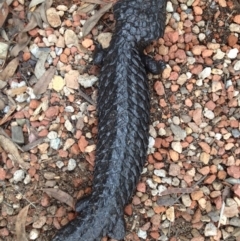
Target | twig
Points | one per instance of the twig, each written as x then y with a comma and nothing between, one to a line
225,194
86,97
33,144
24,197
191,187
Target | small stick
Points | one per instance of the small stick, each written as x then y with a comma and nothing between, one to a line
87,98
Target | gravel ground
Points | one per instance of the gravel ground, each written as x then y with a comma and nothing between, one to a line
190,185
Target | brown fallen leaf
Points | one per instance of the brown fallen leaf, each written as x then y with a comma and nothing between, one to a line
22,41
92,21
16,91
60,196
94,1
43,9
11,149
2,132
38,18
10,69
21,223
31,24
33,144
41,86
4,10
34,3
86,8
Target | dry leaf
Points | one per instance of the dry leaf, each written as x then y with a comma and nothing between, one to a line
31,24
3,13
33,144
22,41
9,2
39,20
11,149
3,53
94,1
43,9
41,86
86,8
9,71
20,224
16,91
40,69
92,21
34,3
60,196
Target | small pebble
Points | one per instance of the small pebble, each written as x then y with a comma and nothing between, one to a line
52,135
142,234
68,125
59,164
55,143
208,114
71,164
18,176
17,134
34,234
232,54
169,7
87,80
160,173
210,230
236,66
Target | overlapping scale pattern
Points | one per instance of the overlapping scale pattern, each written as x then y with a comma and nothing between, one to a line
123,112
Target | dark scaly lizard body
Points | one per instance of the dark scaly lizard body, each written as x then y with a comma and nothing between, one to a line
123,110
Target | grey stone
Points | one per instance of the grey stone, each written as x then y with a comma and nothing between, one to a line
59,164
235,222
71,164
17,134
49,175
186,118
235,133
50,183
178,131
186,200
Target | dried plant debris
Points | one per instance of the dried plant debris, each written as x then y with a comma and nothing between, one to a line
9,70
7,145
92,21
60,196
20,225
4,10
